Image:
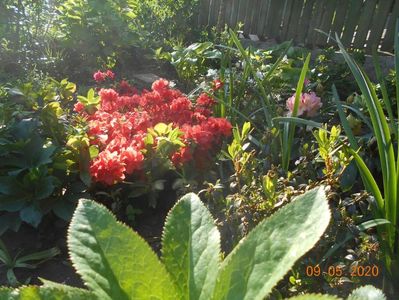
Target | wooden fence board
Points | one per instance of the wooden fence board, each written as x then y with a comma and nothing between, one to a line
365,19
203,17
339,20
326,22
227,12
234,13
213,12
351,21
242,10
387,43
262,17
294,20
286,18
303,26
359,23
274,18
249,14
379,21
316,19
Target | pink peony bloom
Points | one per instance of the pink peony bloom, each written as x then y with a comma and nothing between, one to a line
110,74
309,103
99,76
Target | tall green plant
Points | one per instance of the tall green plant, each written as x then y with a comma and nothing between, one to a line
115,263
387,197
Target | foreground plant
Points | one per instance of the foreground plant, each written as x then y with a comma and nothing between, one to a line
385,131
116,263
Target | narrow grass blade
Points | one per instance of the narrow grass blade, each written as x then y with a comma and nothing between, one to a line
296,120
361,115
369,182
343,119
289,129
384,92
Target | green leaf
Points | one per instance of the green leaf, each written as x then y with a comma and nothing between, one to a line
191,248
372,223
314,297
367,292
31,215
53,292
161,128
7,294
297,120
113,260
255,266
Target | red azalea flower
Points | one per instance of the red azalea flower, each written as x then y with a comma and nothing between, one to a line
121,123
217,84
78,107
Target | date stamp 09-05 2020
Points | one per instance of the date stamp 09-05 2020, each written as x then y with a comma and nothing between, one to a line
338,271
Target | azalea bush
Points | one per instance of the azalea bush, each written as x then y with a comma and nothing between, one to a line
136,134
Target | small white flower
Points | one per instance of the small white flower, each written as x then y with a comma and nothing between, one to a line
212,73
260,75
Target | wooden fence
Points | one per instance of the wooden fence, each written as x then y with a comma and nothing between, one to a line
363,24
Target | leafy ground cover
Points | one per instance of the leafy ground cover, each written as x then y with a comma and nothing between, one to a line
285,163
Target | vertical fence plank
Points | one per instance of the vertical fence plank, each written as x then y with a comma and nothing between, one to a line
379,20
339,20
203,17
249,16
242,10
228,5
294,21
274,18
355,7
286,18
256,9
303,24
214,12
387,43
326,22
234,13
316,19
262,18
365,19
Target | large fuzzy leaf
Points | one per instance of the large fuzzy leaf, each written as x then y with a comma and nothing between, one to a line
367,292
113,260
256,265
58,292
191,248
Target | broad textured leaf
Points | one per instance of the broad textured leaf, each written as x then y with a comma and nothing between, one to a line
367,292
269,251
8,294
55,292
114,261
314,297
191,248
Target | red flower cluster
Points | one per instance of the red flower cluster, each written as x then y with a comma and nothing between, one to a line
101,76
120,125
